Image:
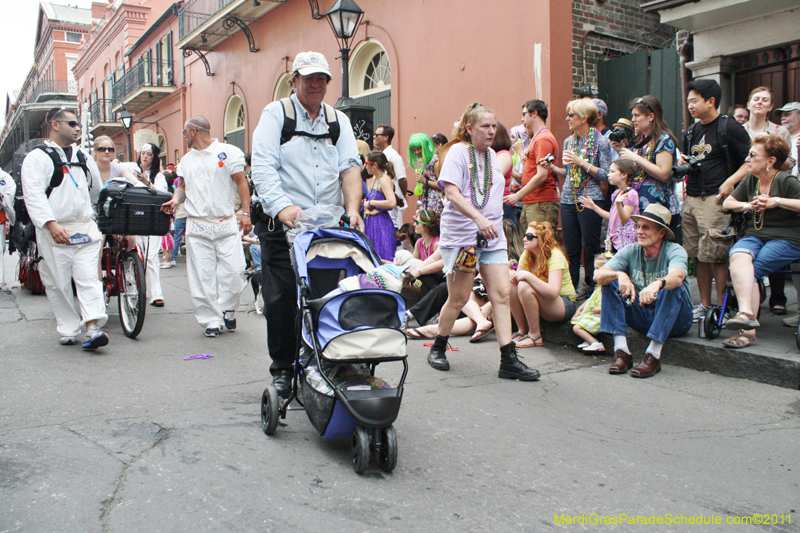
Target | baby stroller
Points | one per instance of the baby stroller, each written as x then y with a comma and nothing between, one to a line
342,337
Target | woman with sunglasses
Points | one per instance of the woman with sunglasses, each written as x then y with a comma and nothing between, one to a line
586,158
380,199
151,175
472,237
654,153
770,199
541,287
109,167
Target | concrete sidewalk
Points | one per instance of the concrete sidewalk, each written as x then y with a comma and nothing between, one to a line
774,359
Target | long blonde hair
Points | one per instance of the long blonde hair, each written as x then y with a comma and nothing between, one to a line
547,243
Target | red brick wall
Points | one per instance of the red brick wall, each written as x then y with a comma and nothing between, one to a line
618,18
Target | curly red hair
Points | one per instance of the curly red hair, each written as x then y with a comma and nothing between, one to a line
547,243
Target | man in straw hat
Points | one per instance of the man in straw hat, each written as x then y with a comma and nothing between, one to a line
645,287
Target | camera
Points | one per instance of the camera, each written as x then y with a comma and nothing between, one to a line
622,132
549,158
691,167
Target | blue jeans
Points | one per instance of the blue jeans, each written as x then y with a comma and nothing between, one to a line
768,257
255,254
669,316
179,227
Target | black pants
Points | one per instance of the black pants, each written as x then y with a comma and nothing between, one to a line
777,291
279,288
581,231
430,304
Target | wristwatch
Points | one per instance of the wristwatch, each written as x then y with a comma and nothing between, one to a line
778,202
663,283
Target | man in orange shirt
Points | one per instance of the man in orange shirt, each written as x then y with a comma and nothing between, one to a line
539,192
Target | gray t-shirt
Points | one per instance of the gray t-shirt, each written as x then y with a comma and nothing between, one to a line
644,271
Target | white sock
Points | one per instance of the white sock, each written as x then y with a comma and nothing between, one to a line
621,343
655,349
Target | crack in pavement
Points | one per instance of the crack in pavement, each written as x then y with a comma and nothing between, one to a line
109,504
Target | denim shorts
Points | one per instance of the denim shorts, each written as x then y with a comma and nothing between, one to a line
768,257
496,257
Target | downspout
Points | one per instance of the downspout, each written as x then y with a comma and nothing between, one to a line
685,52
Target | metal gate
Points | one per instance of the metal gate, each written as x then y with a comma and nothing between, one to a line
382,102
655,72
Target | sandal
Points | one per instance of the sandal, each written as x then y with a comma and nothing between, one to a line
157,303
481,334
740,340
526,341
742,320
517,336
416,334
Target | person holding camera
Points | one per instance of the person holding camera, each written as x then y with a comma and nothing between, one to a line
716,147
473,183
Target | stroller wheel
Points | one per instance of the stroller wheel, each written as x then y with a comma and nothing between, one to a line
360,449
387,455
269,410
712,329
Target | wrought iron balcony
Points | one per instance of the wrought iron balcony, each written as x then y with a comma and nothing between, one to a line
51,90
145,83
203,24
104,119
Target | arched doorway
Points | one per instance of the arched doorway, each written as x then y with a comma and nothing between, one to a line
235,123
283,89
371,79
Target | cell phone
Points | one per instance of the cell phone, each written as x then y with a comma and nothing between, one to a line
482,242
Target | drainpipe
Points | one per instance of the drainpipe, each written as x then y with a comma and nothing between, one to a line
685,52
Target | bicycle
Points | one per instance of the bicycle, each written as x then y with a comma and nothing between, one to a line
124,278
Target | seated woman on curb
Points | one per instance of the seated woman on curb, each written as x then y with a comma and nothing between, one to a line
541,287
770,200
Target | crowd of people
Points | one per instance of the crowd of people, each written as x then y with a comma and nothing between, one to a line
492,207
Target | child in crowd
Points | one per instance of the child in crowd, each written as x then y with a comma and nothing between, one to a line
587,318
624,204
426,225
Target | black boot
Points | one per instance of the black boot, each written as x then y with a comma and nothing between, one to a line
512,368
437,358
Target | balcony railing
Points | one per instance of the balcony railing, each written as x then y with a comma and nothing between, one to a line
195,12
101,111
50,87
143,74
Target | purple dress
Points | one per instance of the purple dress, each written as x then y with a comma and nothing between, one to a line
380,229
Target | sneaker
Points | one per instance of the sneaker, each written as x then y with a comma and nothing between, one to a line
95,338
168,264
595,347
230,320
582,345
212,332
698,311
68,340
791,321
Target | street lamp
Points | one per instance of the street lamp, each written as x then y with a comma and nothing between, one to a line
126,119
344,17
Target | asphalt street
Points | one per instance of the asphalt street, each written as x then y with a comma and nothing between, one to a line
135,438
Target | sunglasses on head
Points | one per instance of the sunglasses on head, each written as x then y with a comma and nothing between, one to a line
648,106
109,149
531,236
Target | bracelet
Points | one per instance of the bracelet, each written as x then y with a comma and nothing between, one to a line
245,214
663,283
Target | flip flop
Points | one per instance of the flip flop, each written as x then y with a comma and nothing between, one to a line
527,342
517,336
414,333
481,334
740,340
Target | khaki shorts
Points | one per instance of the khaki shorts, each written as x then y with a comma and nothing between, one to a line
703,222
539,212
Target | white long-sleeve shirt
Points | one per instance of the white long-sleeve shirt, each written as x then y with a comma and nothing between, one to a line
8,188
69,202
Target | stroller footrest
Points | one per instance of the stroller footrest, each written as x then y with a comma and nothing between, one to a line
372,408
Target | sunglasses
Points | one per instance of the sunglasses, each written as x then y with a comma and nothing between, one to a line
753,155
648,106
109,149
71,123
570,114
531,236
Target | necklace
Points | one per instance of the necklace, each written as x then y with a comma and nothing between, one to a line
644,148
487,179
375,181
758,221
577,176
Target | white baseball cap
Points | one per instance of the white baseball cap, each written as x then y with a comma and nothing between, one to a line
307,63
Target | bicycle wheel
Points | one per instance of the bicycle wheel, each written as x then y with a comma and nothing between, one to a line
132,293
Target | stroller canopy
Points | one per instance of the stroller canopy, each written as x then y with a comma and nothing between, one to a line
335,249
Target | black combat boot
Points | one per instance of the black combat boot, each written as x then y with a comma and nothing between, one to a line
512,368
437,358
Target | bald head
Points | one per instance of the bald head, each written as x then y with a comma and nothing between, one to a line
197,132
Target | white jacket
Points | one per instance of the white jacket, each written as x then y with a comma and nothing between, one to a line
8,188
69,202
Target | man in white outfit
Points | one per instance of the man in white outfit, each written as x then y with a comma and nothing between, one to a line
8,188
67,237
214,254
383,141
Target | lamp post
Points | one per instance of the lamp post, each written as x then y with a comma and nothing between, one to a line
126,119
344,17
